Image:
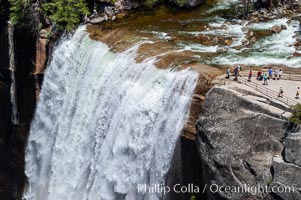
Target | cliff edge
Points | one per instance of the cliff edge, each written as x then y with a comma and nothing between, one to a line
245,141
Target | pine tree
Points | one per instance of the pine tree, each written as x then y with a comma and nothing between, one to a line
65,13
18,11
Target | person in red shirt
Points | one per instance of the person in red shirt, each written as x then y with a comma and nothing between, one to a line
250,76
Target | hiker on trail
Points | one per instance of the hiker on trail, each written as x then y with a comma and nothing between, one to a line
265,79
239,70
261,76
280,92
280,73
276,74
228,73
250,76
270,71
258,75
297,93
236,70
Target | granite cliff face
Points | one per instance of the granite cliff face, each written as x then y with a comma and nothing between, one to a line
13,136
242,140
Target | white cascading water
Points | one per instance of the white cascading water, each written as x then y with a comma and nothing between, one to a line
104,123
12,68
275,49
279,49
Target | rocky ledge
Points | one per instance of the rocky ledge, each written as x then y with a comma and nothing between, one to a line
243,141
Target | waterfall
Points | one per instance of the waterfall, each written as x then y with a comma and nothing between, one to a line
12,68
37,86
104,123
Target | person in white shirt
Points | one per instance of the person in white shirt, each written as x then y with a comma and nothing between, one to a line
228,73
280,73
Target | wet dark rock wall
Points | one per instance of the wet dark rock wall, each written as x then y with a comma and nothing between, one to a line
5,126
13,137
185,170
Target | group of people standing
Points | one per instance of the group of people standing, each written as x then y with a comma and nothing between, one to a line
236,71
270,74
265,76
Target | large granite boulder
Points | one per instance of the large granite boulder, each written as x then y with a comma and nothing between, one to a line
287,180
241,140
292,149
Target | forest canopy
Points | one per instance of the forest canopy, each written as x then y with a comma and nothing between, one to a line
65,14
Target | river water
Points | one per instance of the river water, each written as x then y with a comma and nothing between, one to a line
204,31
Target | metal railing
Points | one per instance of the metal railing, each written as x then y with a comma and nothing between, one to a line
292,77
268,92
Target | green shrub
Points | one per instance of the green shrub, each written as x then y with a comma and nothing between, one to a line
19,11
66,14
296,114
